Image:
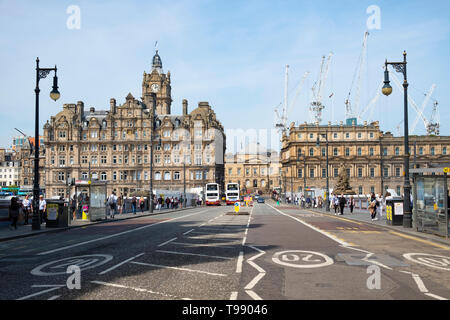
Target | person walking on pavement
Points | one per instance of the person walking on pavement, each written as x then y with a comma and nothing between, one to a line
379,207
26,207
342,203
160,202
13,213
167,202
373,207
112,202
42,209
141,204
351,204
73,207
134,204
120,204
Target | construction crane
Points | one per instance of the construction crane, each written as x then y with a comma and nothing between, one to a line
432,125
317,91
353,111
282,117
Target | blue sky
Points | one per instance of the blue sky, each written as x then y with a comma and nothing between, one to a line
230,53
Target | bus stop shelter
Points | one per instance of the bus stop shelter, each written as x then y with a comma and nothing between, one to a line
91,197
431,200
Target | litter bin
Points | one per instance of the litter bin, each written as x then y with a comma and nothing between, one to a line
394,211
57,214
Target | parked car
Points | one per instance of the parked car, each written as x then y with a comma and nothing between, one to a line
260,200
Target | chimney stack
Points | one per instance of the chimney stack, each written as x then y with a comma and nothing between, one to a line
112,104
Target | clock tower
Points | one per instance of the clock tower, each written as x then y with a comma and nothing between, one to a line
158,82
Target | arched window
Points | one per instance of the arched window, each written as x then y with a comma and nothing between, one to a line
167,175
103,176
157,175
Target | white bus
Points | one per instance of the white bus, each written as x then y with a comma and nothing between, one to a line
212,194
232,193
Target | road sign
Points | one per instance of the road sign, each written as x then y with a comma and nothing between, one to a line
446,169
237,206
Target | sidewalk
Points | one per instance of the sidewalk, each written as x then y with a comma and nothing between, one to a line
24,231
364,216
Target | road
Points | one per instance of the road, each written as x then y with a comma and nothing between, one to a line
271,252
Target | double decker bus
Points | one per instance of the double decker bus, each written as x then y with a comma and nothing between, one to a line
212,194
232,193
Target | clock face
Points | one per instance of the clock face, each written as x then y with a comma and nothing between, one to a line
155,87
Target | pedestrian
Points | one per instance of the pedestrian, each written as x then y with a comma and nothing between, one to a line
42,209
134,204
112,202
379,206
336,205
342,203
26,207
373,207
181,202
142,204
13,213
303,201
167,202
73,207
120,203
160,202
351,204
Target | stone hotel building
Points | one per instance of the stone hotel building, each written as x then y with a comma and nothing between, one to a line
114,145
373,158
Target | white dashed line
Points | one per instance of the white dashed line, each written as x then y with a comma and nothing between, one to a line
188,231
164,243
133,288
234,295
194,254
180,269
40,292
122,263
239,262
53,298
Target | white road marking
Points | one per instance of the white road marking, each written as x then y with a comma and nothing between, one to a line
164,243
118,234
239,262
188,231
435,296
253,295
177,268
133,288
84,262
123,262
430,260
202,245
54,297
243,240
234,295
194,254
419,283
258,277
332,237
326,259
41,292
421,286
366,258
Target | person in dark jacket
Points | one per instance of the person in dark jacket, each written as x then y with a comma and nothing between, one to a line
14,212
342,202
134,204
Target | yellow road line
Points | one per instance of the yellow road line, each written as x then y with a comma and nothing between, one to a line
442,246
340,218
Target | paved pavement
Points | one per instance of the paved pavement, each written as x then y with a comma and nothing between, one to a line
271,252
25,230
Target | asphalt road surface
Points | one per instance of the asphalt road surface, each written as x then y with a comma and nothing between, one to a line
209,253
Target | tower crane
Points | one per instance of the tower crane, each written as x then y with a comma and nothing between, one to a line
432,126
317,90
350,111
282,117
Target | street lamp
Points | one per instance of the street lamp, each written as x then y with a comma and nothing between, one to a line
387,90
327,207
41,73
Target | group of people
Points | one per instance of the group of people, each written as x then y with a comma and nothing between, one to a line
27,209
171,202
377,205
116,204
338,204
